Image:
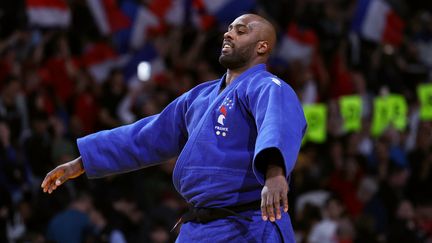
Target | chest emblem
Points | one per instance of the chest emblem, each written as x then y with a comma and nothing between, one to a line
221,129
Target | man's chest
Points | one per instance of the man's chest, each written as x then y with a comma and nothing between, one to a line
222,115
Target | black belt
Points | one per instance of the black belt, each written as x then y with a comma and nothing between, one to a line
204,214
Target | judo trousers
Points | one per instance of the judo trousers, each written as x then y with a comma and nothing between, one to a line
238,229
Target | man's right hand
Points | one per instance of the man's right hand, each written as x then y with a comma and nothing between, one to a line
62,173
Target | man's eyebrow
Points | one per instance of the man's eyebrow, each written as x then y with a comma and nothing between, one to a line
238,26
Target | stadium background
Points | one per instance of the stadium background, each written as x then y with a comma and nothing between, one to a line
69,68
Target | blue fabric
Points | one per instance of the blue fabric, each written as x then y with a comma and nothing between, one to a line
69,226
217,136
234,229
398,155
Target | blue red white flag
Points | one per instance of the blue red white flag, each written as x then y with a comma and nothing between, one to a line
170,12
298,44
143,23
48,13
100,59
108,16
207,13
376,20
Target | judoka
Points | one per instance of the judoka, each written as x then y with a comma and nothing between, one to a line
237,140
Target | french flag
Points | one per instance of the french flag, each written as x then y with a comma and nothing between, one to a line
298,44
375,20
48,13
143,23
99,59
171,12
206,13
108,16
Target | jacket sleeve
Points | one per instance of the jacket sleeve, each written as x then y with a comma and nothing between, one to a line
280,123
144,143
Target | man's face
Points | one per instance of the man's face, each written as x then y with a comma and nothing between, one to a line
239,44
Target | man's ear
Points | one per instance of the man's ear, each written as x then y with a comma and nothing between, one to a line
263,47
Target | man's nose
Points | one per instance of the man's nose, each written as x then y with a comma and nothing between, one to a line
228,35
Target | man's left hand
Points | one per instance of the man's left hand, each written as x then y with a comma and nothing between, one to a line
274,193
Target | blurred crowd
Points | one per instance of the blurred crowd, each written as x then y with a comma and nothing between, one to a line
352,188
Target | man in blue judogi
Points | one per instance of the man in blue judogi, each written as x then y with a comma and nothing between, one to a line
236,138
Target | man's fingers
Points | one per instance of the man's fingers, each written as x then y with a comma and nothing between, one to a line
53,179
276,204
46,184
270,208
263,207
57,182
48,178
285,201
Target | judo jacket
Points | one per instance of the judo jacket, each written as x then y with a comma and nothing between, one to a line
216,134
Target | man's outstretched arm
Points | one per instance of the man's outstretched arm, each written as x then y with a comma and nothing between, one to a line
146,142
62,173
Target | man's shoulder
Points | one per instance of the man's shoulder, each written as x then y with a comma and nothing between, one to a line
267,79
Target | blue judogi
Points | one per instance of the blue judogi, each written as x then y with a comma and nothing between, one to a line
217,136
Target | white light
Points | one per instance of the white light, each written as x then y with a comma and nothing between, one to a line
144,71
389,50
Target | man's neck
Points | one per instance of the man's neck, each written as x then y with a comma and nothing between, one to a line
232,74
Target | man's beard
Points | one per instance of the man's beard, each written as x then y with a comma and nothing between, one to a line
238,57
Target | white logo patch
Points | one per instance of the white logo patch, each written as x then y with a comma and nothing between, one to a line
227,104
276,81
221,119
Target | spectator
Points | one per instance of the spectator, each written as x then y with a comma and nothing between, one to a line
113,91
13,108
392,190
325,231
403,229
73,225
38,146
5,212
